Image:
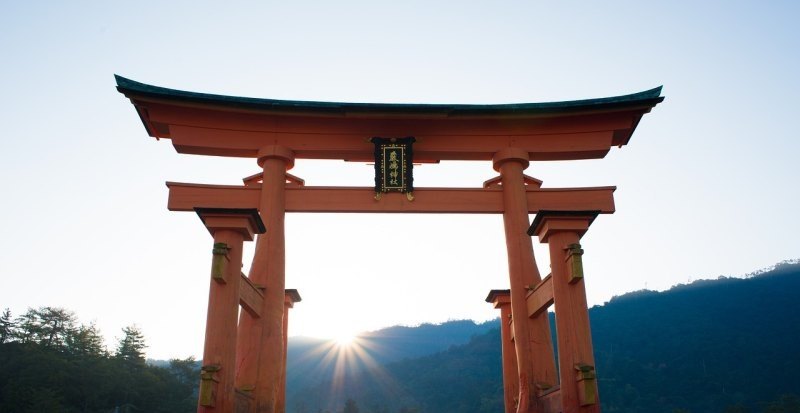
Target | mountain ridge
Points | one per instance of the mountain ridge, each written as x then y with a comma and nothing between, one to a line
706,346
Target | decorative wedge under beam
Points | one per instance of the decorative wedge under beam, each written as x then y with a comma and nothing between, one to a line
250,297
186,197
540,297
550,400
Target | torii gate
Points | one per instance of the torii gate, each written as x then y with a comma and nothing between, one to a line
244,363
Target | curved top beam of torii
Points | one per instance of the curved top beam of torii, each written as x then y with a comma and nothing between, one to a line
206,124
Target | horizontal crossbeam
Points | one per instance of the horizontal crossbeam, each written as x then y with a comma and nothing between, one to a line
540,297
250,297
187,197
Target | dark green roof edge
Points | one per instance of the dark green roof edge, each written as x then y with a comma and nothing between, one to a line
292,292
493,293
541,215
249,212
647,98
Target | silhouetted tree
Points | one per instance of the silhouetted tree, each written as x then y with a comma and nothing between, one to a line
27,327
50,327
6,326
131,346
55,327
86,341
185,370
50,364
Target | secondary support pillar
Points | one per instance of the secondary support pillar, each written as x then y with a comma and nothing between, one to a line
291,296
502,299
534,348
562,231
230,228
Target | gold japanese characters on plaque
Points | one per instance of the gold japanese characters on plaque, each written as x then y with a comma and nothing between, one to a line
394,166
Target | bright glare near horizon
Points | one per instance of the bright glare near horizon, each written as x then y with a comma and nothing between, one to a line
341,359
344,340
706,187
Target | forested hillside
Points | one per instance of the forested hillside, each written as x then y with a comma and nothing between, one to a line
703,346
722,346
727,345
465,378
48,363
312,361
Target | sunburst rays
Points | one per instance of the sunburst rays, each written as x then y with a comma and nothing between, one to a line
344,363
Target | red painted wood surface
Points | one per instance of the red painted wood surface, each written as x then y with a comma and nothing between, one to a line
541,297
277,134
289,300
186,197
270,262
572,315
502,301
223,309
224,131
535,360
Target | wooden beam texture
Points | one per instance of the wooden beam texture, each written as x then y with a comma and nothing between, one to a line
250,297
540,297
186,197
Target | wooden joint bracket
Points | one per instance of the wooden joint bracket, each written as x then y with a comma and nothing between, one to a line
574,253
220,248
292,180
587,384
219,263
208,385
495,182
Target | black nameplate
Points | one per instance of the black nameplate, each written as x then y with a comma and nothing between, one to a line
394,165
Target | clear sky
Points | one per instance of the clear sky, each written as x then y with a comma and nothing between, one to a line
708,185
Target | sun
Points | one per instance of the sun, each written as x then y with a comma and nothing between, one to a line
344,354
344,339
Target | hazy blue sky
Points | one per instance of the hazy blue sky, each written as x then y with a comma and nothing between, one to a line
708,185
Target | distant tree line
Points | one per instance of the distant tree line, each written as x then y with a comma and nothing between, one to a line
50,363
713,346
721,346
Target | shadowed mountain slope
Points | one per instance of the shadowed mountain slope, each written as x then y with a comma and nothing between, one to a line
709,346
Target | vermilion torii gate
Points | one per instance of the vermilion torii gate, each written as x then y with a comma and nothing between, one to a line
244,362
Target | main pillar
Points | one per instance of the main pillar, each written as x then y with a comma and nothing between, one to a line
261,340
502,299
534,348
291,296
230,228
562,231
